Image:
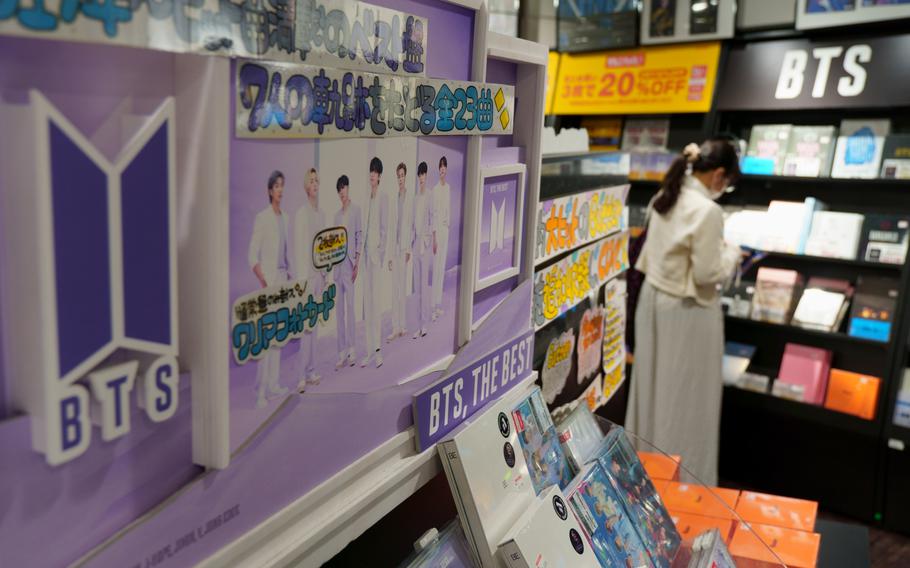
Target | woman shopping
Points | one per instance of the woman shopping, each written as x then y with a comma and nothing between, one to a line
677,385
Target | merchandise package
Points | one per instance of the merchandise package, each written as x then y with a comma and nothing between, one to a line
737,357
752,547
786,512
645,134
873,308
754,382
608,526
660,466
700,500
835,234
885,238
852,393
810,151
488,475
540,443
604,134
547,534
710,551
859,148
580,436
767,148
737,299
448,548
746,227
776,292
807,367
630,481
902,406
790,222
896,157
819,309
691,526
790,392
823,304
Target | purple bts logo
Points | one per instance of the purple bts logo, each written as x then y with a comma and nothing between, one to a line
104,275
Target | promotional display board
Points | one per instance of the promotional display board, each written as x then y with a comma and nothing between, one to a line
567,223
803,74
812,14
648,80
347,34
238,258
562,285
552,72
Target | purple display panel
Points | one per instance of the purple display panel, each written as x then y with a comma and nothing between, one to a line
81,252
88,500
498,213
146,243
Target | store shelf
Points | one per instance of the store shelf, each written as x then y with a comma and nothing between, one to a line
835,261
736,397
801,332
827,181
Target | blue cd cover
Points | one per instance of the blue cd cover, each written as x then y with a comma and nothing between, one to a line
547,463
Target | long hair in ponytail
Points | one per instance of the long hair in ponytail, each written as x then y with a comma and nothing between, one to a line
712,154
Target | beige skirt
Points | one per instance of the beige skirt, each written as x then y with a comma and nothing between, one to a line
677,384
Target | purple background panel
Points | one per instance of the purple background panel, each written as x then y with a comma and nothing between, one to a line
488,298
146,243
81,252
504,73
505,196
84,502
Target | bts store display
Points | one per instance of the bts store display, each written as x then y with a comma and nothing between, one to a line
238,240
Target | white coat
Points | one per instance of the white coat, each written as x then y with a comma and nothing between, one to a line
264,243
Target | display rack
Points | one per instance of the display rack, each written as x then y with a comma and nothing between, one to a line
834,458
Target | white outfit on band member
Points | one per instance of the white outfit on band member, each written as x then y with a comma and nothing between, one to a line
401,221
344,281
422,245
441,220
307,223
374,246
269,249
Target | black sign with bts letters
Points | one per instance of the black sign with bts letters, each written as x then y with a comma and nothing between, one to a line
806,74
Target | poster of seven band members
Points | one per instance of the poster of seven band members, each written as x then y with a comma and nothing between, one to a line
394,303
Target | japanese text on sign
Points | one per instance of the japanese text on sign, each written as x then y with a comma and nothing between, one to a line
301,101
330,247
271,317
338,33
570,222
614,345
561,286
647,80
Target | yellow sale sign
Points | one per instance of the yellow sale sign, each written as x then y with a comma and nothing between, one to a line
552,69
647,80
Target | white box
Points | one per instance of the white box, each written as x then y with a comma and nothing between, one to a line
488,475
547,536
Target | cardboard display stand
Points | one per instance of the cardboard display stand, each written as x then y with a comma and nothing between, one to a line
195,249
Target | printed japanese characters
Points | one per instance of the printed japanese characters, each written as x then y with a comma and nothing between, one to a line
302,101
345,34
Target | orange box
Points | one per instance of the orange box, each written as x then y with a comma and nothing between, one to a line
751,543
698,500
691,526
852,393
785,512
659,466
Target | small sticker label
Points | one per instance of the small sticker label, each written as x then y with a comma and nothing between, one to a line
508,452
560,507
519,421
576,541
504,427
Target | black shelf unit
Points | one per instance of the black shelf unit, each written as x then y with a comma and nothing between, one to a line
798,449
